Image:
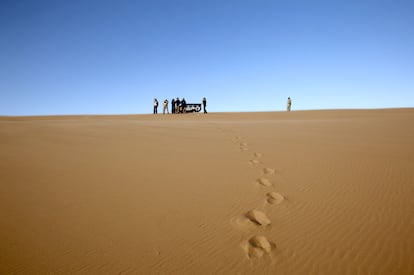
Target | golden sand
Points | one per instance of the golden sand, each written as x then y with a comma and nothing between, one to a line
332,192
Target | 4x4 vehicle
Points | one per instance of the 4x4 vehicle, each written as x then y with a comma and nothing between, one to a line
193,107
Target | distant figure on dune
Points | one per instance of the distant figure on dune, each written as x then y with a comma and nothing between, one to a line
289,104
177,105
183,106
205,105
173,106
165,106
155,106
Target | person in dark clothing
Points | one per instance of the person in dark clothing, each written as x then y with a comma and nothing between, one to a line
173,106
183,106
205,105
155,106
177,105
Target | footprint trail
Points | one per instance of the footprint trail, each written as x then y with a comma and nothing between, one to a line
257,245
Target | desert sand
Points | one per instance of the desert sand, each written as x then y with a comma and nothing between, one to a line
305,192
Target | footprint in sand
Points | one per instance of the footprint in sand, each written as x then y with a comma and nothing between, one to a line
275,198
243,146
264,182
257,246
258,217
269,171
257,155
254,162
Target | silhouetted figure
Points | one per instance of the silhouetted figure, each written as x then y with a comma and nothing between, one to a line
205,105
173,106
289,104
155,106
183,106
177,105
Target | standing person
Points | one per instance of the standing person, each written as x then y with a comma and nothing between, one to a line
183,106
165,107
173,106
155,106
289,104
205,105
177,105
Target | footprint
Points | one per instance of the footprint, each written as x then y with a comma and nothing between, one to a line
264,182
268,171
261,242
257,246
254,162
275,198
257,155
258,217
243,148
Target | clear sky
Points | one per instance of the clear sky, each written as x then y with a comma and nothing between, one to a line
115,57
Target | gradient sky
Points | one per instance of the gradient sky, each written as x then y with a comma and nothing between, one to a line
114,57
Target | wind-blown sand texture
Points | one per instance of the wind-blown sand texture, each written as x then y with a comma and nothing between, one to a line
168,194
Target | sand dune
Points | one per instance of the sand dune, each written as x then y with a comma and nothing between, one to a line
310,192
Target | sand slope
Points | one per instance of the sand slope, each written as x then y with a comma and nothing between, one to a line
312,192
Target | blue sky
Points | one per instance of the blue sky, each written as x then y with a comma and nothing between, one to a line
114,57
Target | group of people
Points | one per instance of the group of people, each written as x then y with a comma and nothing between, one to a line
177,106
